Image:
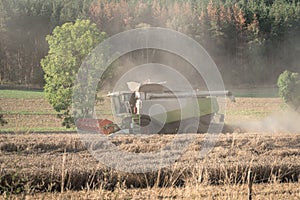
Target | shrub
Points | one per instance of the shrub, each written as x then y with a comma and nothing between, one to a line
289,88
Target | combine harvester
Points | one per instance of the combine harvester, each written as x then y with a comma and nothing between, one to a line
153,108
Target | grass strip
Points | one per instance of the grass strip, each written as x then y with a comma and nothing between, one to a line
24,112
21,94
36,129
48,112
247,112
256,92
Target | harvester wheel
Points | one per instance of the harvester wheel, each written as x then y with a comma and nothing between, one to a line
203,127
189,126
204,123
196,125
150,125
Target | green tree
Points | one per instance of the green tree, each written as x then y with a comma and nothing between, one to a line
289,88
69,44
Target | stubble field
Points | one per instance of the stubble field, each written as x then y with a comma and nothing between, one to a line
58,165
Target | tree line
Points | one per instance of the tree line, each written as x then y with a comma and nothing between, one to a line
252,42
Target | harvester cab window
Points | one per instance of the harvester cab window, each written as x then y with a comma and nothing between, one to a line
117,105
122,103
128,107
132,103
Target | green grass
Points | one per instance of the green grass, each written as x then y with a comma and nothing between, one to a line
260,92
36,129
22,112
248,113
21,94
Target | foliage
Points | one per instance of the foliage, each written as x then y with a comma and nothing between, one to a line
68,46
289,88
24,25
249,40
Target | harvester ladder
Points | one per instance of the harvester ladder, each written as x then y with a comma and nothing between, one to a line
136,123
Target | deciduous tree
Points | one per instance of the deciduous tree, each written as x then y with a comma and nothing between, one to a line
69,44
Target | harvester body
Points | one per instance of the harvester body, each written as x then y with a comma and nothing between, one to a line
153,108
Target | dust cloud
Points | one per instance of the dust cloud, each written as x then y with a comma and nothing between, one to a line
129,66
286,121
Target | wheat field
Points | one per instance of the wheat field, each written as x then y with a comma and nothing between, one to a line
263,163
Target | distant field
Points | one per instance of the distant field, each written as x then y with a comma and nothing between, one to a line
29,111
258,92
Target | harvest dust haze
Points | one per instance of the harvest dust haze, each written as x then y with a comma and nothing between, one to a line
284,121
